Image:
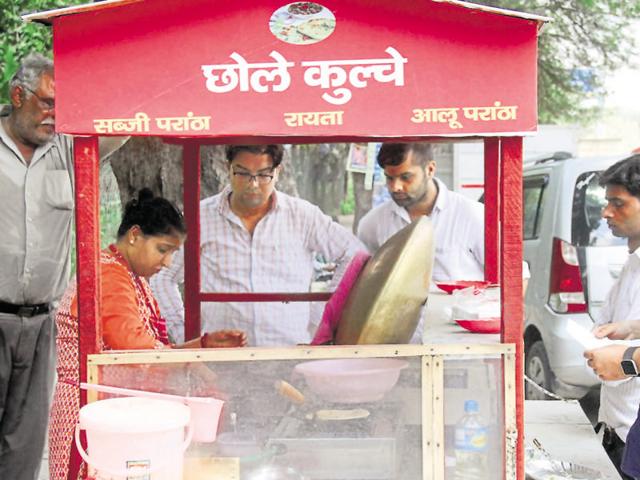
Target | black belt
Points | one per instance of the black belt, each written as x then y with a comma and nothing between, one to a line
24,310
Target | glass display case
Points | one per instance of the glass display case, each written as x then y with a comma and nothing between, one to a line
374,412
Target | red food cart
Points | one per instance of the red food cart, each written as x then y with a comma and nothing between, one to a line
197,72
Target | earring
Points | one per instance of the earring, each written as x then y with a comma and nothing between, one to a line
131,242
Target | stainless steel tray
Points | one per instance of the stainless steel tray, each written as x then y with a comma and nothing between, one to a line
539,465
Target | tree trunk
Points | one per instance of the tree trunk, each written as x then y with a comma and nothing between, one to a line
320,174
149,162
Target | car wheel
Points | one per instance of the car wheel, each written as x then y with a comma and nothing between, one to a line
538,370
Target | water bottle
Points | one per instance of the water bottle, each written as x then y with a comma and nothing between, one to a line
471,445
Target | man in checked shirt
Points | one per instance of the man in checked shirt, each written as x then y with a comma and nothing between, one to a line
256,239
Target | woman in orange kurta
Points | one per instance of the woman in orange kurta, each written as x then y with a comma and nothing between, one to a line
152,229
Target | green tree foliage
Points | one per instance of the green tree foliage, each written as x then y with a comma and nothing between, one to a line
17,38
585,41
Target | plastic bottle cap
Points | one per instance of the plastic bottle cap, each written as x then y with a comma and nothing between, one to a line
471,406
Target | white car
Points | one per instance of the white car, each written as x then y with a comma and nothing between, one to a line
574,261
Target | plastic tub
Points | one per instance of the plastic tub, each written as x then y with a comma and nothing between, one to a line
354,380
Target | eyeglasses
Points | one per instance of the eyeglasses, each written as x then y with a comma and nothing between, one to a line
246,177
47,104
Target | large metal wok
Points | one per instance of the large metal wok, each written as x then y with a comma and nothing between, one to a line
384,304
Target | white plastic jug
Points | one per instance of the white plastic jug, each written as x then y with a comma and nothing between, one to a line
135,438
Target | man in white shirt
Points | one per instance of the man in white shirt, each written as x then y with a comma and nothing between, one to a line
617,362
256,239
619,400
415,191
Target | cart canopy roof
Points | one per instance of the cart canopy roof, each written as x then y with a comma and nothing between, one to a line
333,69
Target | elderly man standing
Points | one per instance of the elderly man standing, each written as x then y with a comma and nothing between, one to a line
36,219
619,400
256,239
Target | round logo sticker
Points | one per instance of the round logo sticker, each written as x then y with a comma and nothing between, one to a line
302,23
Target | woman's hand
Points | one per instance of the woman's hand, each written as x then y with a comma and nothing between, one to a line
224,339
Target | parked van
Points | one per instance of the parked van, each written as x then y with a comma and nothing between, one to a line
574,261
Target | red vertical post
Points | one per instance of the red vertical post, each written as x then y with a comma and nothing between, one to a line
511,272
87,204
491,208
87,200
192,287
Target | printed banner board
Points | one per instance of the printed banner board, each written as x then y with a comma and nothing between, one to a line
204,68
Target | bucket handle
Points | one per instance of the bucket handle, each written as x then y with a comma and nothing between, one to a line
126,472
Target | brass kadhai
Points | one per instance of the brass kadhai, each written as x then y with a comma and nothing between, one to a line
384,304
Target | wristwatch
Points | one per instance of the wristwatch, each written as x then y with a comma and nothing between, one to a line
629,367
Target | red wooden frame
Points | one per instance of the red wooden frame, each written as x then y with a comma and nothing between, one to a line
87,201
467,46
191,186
503,254
503,220
510,230
491,212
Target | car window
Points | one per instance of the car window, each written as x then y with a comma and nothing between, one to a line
588,228
533,193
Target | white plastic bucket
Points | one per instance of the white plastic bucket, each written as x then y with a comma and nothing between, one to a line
135,438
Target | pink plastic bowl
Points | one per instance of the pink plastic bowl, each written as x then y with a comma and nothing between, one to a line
354,380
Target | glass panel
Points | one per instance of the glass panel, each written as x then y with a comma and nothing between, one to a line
351,419
474,440
532,204
588,226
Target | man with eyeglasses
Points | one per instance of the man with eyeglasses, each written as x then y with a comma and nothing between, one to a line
256,239
36,219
